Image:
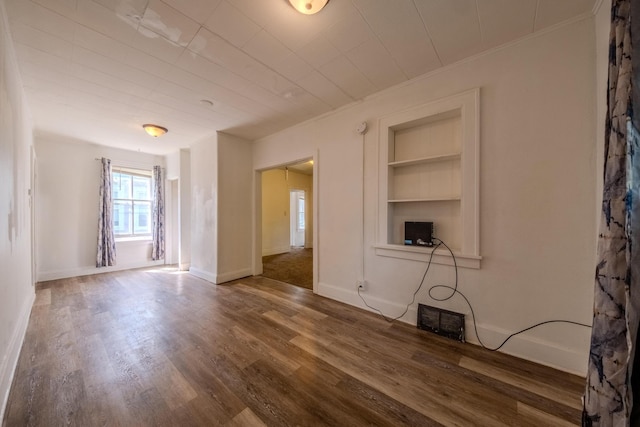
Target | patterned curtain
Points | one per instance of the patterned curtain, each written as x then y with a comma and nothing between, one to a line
609,396
106,255
157,250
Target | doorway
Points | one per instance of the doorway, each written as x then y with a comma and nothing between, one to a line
297,218
287,223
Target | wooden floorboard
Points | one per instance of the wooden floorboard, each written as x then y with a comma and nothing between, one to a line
157,347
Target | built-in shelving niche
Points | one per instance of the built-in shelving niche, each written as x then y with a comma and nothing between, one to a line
429,161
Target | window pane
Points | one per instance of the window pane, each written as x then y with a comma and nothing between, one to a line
122,217
121,186
141,188
130,216
142,217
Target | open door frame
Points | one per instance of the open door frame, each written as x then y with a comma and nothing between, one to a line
257,216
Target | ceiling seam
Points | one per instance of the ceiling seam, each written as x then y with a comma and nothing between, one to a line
482,36
426,28
596,6
381,44
488,52
185,49
291,52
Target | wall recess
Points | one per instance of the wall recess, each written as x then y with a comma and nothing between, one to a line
429,171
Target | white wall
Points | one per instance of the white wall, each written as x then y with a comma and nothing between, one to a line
67,207
185,209
221,185
173,165
204,208
172,216
179,168
537,198
603,27
16,290
234,208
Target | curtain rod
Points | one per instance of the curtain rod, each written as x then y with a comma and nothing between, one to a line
137,166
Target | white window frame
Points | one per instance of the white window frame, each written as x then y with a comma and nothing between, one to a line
144,173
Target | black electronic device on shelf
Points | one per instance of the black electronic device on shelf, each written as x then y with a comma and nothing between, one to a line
418,233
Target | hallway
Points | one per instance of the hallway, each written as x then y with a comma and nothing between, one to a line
295,267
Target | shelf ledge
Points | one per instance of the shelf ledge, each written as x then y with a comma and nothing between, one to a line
422,160
441,256
427,199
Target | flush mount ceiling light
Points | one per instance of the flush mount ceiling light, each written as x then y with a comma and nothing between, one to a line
308,7
154,130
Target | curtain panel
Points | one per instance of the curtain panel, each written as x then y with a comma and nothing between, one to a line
157,249
608,399
106,253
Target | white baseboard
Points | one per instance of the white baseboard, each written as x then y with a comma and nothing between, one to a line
10,358
233,275
351,297
220,278
533,349
209,277
276,251
536,350
85,271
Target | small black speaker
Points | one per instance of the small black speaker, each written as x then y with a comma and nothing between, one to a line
418,233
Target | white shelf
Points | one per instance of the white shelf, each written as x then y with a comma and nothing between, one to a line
416,253
427,199
432,159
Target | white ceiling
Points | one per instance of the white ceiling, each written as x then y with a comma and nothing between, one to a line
96,70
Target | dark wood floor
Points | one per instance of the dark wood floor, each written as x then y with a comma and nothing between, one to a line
157,347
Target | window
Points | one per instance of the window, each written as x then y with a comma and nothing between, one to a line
132,196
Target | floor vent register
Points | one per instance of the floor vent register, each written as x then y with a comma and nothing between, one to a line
442,322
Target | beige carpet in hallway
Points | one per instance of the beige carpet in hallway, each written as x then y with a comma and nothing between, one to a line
295,267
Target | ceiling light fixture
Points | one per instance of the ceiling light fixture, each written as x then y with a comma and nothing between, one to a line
154,130
308,7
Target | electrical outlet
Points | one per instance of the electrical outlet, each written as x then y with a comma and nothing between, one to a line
362,285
